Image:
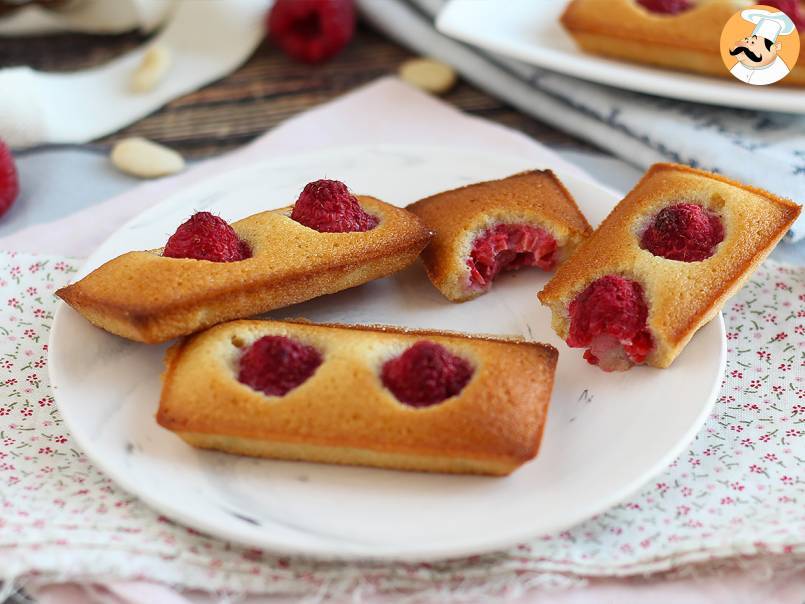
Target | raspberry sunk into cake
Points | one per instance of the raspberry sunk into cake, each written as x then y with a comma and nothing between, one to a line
666,7
426,374
793,8
509,247
525,220
609,319
275,365
662,265
683,231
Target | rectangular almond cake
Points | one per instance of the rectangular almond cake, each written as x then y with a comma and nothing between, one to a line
375,396
480,230
662,264
686,37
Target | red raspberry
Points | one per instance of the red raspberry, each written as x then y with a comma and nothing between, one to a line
426,374
206,237
609,317
276,365
685,232
791,8
666,7
9,181
327,206
311,30
508,247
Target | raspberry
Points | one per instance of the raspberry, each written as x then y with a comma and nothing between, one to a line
311,30
9,181
275,365
609,317
327,206
508,247
685,232
666,7
425,374
790,8
206,237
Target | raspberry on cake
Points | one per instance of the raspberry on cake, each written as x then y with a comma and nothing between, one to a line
609,318
327,206
683,35
793,8
666,7
481,230
275,365
367,395
508,247
426,374
683,231
662,264
206,237
210,271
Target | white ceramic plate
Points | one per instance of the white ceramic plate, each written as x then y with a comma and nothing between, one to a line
529,30
606,434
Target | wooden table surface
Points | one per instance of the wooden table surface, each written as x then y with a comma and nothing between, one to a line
265,91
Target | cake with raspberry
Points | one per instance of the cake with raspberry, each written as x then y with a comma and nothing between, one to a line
483,229
210,271
676,34
662,264
364,395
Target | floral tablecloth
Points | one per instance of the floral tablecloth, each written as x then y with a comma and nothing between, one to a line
737,492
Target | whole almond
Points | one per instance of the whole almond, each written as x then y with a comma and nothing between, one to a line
145,159
429,75
155,64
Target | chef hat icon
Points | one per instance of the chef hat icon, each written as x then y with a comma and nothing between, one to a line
767,24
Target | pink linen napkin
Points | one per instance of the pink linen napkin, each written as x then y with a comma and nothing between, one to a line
734,494
384,112
733,587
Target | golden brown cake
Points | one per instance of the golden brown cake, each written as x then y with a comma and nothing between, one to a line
662,264
686,41
527,219
473,405
147,297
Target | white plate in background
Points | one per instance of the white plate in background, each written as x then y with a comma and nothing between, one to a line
607,434
529,30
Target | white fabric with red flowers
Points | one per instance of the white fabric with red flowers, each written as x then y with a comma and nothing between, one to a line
737,491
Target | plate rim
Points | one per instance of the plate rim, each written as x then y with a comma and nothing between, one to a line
665,83
442,552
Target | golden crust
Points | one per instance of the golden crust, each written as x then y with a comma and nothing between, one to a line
344,414
682,296
146,297
689,41
456,217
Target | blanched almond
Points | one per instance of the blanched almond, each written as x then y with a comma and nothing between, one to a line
429,75
155,64
145,159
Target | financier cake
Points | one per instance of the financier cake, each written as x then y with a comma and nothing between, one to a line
483,229
676,34
374,396
662,264
210,272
